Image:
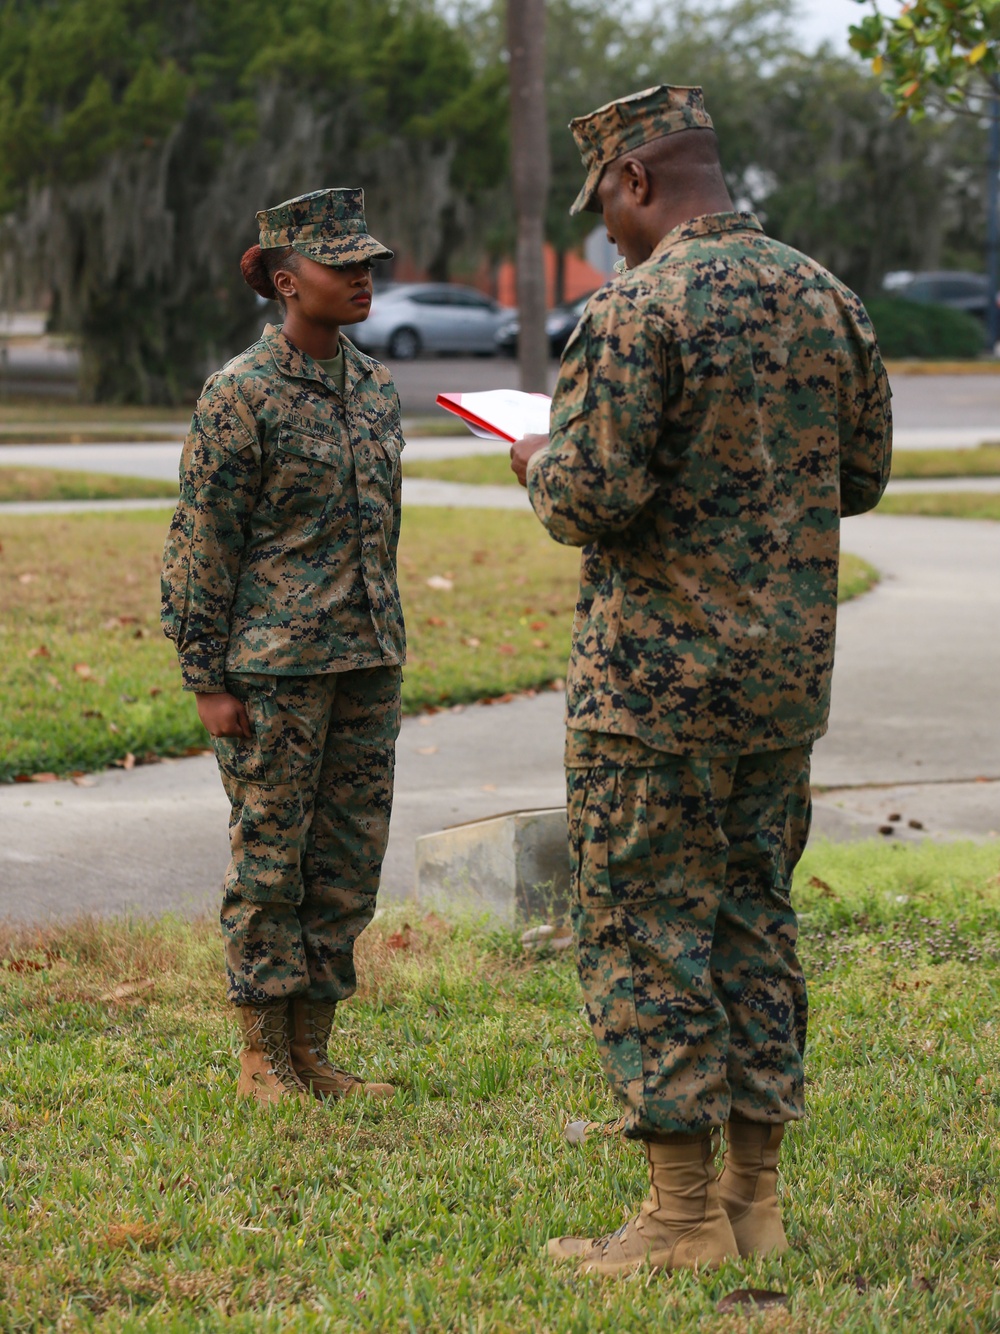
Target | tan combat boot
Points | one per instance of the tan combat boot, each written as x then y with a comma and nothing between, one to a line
265,1062
681,1224
310,1024
748,1187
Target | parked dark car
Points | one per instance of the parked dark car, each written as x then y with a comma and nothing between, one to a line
409,318
559,325
954,288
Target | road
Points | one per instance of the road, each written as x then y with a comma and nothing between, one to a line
928,409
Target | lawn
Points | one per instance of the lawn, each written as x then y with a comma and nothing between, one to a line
983,461
88,680
137,1195
944,504
16,412
20,484
494,469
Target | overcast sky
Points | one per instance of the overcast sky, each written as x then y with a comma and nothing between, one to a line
829,19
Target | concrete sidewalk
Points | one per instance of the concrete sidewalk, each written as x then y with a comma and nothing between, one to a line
915,732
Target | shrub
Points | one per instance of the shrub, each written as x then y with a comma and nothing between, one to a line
909,329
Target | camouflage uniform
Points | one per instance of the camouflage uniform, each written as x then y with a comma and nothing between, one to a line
279,586
718,409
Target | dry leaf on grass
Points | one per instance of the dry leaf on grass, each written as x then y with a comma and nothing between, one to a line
440,584
144,1236
536,935
83,671
434,925
816,883
128,991
400,940
436,621
40,652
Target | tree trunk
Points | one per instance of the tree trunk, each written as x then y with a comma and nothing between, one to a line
530,168
559,286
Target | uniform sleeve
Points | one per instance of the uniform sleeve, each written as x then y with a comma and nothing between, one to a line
607,416
219,476
866,440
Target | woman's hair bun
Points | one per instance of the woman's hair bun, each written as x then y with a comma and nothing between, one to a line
255,273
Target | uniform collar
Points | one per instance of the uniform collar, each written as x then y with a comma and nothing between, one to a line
295,364
712,224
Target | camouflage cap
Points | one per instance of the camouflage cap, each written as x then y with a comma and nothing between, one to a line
618,127
327,225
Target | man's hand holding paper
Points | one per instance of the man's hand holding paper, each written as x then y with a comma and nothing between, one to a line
523,451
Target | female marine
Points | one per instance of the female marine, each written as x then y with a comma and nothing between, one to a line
279,592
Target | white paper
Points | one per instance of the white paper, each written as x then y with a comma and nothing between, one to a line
509,410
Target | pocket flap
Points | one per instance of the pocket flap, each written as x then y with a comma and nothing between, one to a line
309,446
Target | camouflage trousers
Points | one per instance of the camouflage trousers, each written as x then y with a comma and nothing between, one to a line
311,794
685,929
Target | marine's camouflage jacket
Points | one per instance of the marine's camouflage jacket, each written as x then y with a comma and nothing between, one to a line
281,557
718,410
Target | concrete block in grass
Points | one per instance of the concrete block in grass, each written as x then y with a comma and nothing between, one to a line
514,867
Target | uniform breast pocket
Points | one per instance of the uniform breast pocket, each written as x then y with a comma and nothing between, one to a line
388,445
307,472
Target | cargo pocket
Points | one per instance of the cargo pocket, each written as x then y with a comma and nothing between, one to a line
261,758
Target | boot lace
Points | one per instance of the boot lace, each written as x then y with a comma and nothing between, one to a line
270,1029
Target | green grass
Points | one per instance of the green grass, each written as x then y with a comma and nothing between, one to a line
87,678
944,504
856,577
39,413
474,469
983,461
135,1194
20,484
494,469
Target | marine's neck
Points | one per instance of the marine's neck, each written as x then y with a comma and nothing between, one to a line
677,211
319,341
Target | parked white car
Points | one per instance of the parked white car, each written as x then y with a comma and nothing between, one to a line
409,318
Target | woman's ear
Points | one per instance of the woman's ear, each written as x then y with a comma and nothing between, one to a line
284,283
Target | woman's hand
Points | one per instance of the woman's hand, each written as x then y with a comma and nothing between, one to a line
223,715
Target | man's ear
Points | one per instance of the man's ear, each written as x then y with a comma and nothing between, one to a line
634,180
